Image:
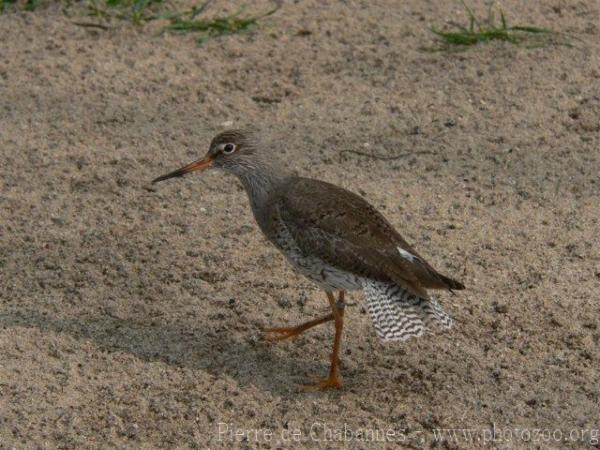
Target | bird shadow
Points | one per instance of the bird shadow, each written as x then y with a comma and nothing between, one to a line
248,360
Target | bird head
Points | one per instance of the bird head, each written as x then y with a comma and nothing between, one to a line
231,151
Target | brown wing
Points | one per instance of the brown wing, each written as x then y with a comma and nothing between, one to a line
345,231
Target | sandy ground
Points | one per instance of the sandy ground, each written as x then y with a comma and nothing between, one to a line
130,315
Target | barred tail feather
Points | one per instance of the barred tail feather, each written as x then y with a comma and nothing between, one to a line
398,315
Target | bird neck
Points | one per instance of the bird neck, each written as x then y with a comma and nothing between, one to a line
260,185
263,177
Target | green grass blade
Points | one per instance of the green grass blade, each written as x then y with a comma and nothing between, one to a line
528,29
503,19
458,38
197,10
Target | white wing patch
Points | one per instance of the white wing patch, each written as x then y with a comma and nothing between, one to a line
406,255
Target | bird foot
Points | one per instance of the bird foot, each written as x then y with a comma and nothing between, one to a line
333,381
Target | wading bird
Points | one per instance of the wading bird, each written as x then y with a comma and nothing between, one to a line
337,240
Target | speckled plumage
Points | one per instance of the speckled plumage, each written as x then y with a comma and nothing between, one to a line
339,241
344,230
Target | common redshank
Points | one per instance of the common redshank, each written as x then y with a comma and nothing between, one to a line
336,239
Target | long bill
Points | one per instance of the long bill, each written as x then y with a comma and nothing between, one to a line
200,164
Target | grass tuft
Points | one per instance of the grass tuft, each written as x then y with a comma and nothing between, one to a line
139,12
488,29
142,11
135,11
215,27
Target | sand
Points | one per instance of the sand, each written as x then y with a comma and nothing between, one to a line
131,314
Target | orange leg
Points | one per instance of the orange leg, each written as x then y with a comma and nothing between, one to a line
334,380
281,333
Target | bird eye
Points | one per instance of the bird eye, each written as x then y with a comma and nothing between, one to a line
228,148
